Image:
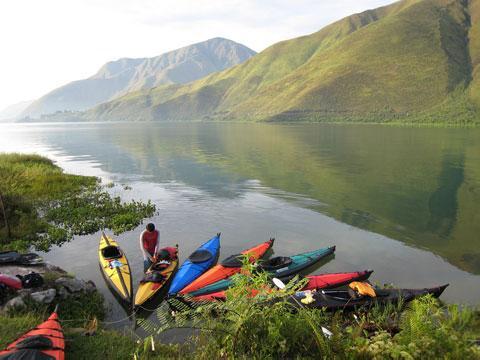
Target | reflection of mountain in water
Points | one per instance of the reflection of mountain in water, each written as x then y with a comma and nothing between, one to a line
138,151
443,203
421,186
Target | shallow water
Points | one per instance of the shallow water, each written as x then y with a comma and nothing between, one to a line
404,202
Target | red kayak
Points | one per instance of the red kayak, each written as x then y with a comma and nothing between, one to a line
323,281
333,280
44,342
11,281
228,267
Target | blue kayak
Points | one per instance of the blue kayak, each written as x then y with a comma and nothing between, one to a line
197,263
280,267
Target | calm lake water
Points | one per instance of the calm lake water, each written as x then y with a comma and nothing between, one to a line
404,202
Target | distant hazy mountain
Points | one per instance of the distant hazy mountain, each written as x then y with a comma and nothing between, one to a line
119,77
12,111
414,60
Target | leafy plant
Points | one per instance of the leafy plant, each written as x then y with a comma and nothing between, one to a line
268,327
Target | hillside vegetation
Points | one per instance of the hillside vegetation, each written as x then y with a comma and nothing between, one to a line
414,61
119,77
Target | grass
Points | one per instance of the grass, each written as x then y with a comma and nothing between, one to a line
13,327
426,330
45,207
104,342
78,346
243,327
76,314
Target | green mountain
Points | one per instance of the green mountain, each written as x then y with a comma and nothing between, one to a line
119,77
413,60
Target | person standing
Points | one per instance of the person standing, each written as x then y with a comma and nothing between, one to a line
149,241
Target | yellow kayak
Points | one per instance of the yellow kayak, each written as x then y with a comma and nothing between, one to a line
115,267
157,276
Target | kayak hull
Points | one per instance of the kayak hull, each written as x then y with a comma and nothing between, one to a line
13,257
303,261
333,280
51,330
11,281
116,271
323,281
220,272
190,271
334,300
299,263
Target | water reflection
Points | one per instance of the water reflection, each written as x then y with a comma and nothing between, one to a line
405,183
417,185
443,203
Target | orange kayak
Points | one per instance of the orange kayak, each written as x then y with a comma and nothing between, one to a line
46,341
228,267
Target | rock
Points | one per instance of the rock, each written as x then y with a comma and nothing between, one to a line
53,268
44,297
72,285
24,292
90,286
63,293
16,302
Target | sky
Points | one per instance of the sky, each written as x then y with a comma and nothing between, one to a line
48,43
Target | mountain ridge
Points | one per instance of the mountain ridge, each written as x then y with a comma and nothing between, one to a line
413,60
116,78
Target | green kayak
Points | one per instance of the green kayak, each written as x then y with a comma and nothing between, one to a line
280,267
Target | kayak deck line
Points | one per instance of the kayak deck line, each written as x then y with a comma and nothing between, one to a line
115,267
122,281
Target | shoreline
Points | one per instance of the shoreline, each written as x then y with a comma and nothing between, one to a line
396,123
58,285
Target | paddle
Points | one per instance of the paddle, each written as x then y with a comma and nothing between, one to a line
279,283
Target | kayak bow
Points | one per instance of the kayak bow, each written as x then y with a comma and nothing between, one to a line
11,281
228,267
46,341
197,263
333,300
115,268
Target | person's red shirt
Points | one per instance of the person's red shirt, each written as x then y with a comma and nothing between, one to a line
150,241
